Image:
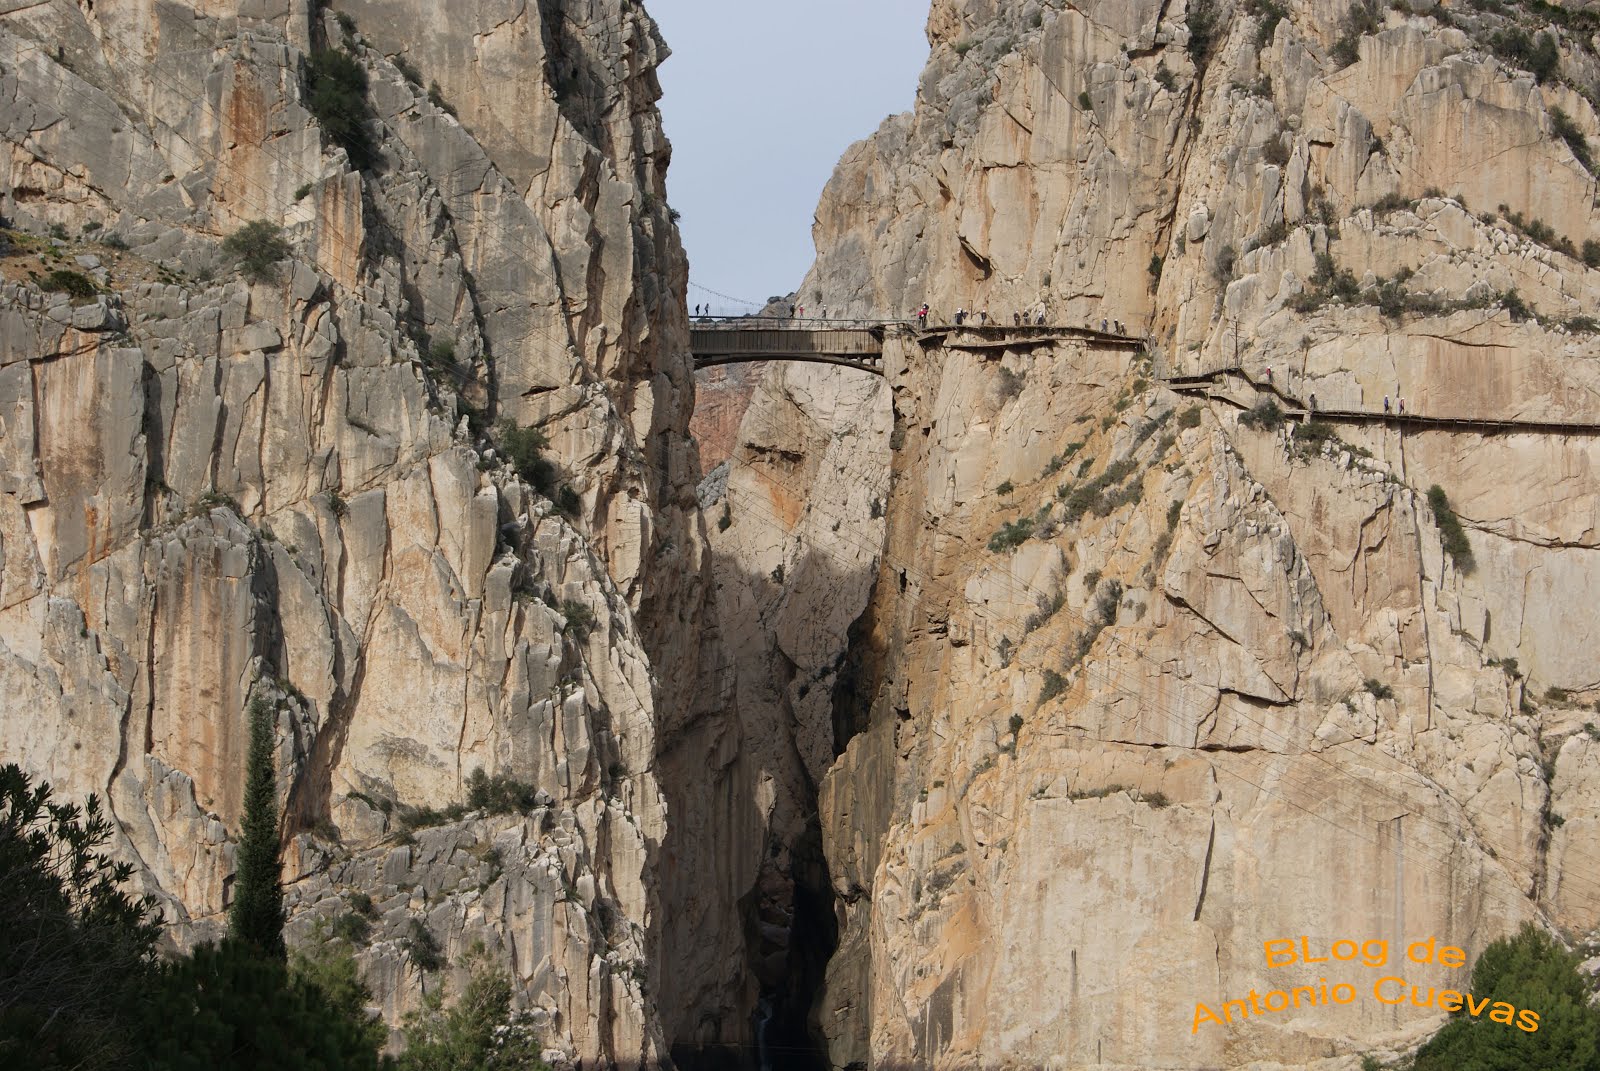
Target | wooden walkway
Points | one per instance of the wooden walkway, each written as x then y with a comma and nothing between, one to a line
859,344
1212,385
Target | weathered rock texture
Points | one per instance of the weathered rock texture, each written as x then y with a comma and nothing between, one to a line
797,519
212,489
1143,684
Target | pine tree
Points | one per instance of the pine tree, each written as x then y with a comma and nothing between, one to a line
257,915
1529,970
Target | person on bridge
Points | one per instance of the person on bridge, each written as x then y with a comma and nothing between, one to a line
1102,325
1385,405
983,318
922,316
824,312
1039,320
1016,319
1402,407
1269,375
1313,403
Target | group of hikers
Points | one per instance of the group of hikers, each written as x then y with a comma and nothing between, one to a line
1019,318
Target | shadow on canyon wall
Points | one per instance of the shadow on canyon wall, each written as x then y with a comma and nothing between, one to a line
743,865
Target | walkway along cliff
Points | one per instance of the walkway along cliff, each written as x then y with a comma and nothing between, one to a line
999,696
1151,671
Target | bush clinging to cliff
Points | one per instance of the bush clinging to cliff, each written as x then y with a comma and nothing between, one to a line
336,93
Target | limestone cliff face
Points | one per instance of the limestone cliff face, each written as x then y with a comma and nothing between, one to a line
212,489
1146,682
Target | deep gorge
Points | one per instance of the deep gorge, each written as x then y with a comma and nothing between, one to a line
985,709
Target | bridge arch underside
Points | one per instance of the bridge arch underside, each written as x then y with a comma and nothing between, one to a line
866,362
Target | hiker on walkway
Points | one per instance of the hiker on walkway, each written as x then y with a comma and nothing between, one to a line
1385,405
1269,375
824,312
1313,403
1016,319
1102,325
1402,407
983,318
1039,320
922,316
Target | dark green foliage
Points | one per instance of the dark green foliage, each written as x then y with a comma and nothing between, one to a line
1156,264
1309,437
1451,535
580,619
477,1033
1567,130
1512,302
1591,253
1528,971
58,231
331,971
422,947
725,521
65,281
1378,689
568,501
1361,19
1166,79
1541,55
1009,383
436,98
114,241
1005,488
1011,536
1084,102
1189,418
1202,32
441,353
1105,604
1015,724
336,93
1270,15
228,1006
1266,415
73,947
258,246
351,926
408,70
411,818
1104,494
524,448
256,918
1054,685
500,794
301,191
1227,258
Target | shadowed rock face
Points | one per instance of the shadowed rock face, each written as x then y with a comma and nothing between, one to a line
1141,684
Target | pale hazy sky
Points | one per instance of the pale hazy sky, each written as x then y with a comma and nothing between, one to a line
761,98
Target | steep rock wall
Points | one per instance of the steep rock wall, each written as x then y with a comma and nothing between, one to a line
1151,683
215,488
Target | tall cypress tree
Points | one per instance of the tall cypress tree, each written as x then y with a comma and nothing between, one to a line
257,916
